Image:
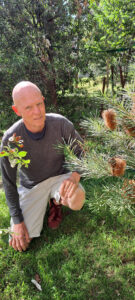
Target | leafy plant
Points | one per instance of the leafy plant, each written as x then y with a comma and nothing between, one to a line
15,156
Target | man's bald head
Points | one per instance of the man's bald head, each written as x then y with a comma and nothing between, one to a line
23,89
29,104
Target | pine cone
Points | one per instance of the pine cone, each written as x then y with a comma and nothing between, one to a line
109,117
118,166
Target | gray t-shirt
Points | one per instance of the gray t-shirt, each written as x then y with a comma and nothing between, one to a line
45,159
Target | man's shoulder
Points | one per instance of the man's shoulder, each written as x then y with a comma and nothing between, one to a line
15,128
54,116
50,117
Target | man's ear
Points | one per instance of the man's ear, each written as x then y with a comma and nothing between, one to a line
16,110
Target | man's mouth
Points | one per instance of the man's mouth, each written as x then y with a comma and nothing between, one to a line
39,118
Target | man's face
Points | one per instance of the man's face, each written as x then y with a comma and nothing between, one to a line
31,108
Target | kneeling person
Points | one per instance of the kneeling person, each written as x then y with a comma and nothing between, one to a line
46,177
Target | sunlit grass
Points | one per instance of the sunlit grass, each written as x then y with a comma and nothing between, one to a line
89,257
91,85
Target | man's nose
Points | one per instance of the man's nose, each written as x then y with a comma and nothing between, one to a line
36,109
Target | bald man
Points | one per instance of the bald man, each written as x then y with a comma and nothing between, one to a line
46,179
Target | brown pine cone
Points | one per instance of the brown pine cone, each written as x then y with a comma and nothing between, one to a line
109,117
118,166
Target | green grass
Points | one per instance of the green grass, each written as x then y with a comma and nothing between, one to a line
89,257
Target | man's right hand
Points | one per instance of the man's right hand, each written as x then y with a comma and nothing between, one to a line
20,237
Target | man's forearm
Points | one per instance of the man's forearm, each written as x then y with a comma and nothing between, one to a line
14,207
12,196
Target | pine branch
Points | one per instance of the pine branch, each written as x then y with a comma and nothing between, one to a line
114,197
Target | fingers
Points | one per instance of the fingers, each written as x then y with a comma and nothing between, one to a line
67,189
20,237
19,246
18,243
23,243
62,189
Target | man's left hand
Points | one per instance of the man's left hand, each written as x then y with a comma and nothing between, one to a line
69,187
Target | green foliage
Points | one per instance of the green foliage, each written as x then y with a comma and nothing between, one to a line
15,156
42,50
59,41
109,196
100,145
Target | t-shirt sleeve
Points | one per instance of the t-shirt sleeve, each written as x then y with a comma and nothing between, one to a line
9,176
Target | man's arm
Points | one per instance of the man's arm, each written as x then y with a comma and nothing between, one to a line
20,237
9,175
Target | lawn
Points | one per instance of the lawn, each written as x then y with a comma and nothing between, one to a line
89,257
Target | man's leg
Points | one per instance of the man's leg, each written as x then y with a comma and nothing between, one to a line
33,203
55,214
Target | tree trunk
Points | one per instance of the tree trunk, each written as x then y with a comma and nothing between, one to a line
112,77
103,90
51,87
124,73
49,77
51,83
122,79
104,84
107,73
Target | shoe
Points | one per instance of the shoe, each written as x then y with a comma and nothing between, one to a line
55,215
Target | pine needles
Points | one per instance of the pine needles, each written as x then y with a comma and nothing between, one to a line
108,150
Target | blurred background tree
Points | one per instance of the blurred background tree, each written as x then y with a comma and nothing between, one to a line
54,43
